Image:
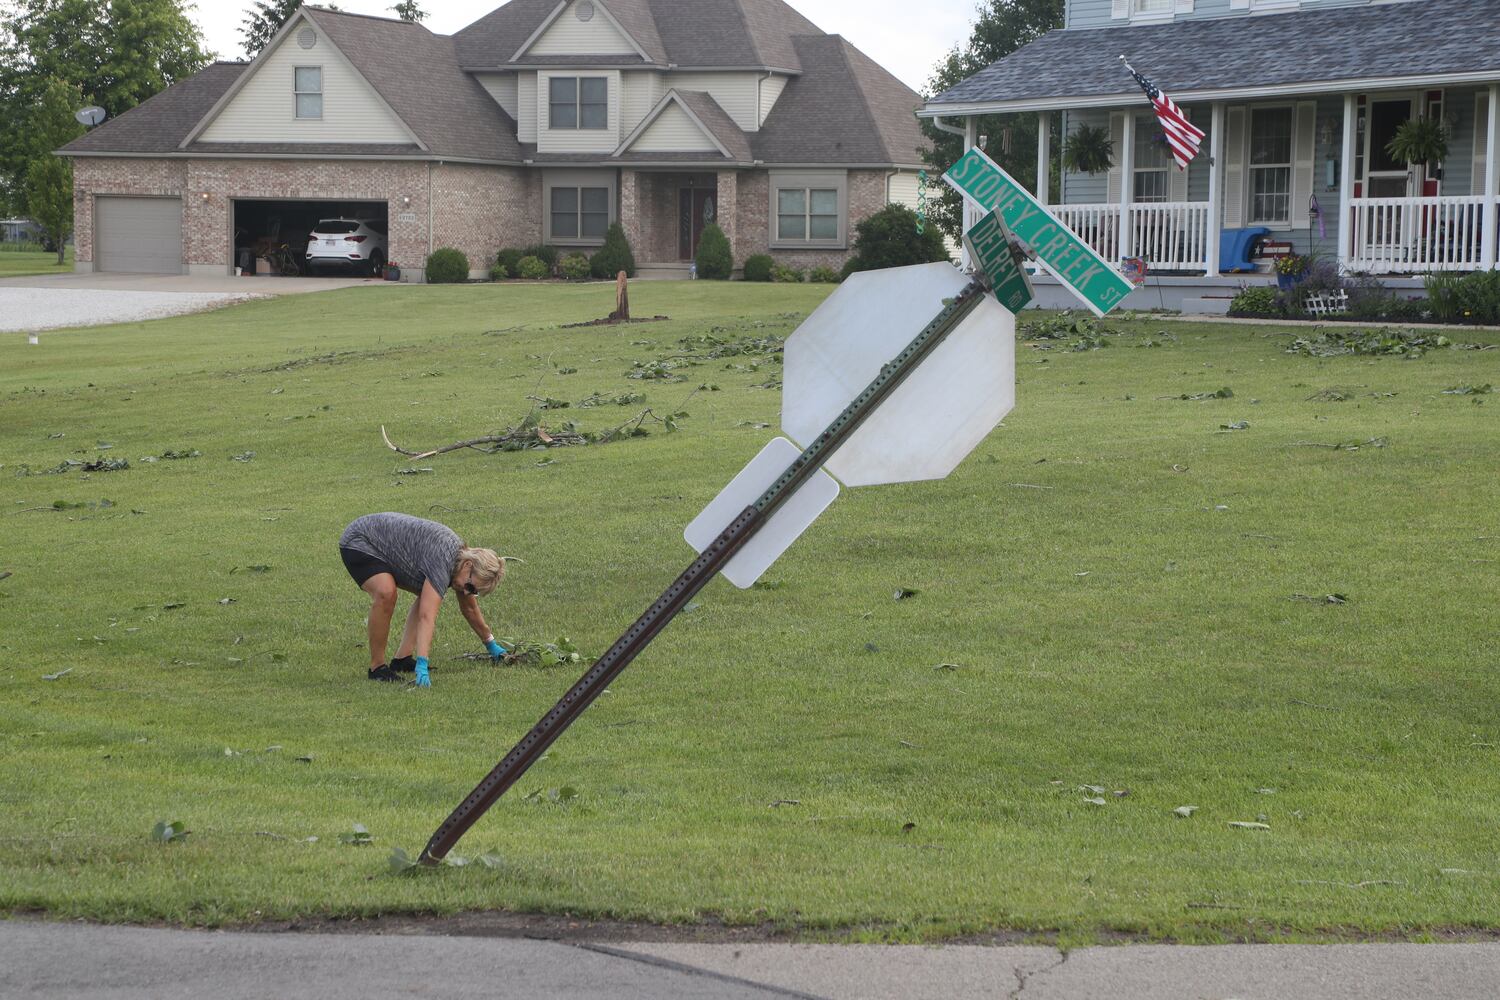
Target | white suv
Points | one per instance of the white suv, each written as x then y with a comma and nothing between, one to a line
346,243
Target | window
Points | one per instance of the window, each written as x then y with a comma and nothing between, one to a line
307,83
1152,6
1270,165
580,213
578,102
807,214
1152,160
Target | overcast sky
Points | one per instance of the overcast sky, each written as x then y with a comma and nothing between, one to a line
884,29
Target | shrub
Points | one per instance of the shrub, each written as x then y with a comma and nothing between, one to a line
532,268
715,259
510,258
575,266
499,272
1260,300
547,255
447,266
782,274
758,267
1479,297
823,276
1442,289
889,238
614,256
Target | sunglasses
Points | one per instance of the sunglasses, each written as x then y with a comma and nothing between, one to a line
471,590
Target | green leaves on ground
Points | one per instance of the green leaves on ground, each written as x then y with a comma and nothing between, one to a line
174,832
356,836
1332,342
527,652
562,796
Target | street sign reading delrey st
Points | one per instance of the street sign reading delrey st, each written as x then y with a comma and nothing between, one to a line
989,243
1069,259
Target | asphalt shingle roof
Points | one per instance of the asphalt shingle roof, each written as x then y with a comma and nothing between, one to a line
843,109
1431,38
159,124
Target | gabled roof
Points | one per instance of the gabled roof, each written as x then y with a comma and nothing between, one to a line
712,120
845,108
1301,51
160,123
742,34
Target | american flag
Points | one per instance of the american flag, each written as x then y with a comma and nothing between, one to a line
1182,135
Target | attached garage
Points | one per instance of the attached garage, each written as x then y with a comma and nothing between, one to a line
138,235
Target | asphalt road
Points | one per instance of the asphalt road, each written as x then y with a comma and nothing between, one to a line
41,961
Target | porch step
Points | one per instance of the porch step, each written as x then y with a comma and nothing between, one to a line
1208,305
664,272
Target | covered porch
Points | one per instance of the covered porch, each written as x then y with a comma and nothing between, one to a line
664,212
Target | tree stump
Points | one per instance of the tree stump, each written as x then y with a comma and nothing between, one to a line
622,300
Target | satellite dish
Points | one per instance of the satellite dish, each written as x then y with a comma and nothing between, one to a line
91,116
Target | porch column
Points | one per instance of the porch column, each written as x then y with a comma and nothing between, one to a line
1127,183
1043,156
971,214
630,211
1215,190
728,211
1346,226
1492,182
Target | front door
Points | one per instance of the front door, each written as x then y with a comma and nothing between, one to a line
696,208
1386,177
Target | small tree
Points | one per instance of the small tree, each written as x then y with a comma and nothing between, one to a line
715,259
614,256
49,200
889,238
409,10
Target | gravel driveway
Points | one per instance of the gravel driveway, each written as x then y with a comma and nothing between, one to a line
31,309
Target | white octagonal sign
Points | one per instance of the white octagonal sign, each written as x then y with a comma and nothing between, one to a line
943,409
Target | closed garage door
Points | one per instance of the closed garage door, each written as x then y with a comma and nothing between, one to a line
138,235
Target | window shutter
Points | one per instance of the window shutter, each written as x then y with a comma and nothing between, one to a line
1184,6
1234,168
1117,140
1304,152
1119,9
1481,142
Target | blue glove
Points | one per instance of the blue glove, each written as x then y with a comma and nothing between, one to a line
497,651
423,679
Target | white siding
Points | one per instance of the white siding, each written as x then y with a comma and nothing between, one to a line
770,92
577,140
265,109
737,93
526,109
673,132
905,189
568,36
642,91
502,87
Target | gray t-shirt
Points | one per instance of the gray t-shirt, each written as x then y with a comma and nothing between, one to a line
416,549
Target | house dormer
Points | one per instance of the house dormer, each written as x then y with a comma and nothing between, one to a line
579,28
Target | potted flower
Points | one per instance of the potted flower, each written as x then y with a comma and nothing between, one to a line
1089,150
1289,270
392,271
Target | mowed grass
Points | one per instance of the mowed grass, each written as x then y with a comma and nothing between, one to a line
1105,598
25,263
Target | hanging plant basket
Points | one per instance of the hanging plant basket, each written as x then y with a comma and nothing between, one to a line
1420,140
1089,150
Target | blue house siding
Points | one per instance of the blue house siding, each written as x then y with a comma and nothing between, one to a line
1099,13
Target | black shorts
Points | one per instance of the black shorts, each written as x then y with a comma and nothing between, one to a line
362,566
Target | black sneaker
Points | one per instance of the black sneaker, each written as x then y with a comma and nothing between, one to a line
404,664
385,673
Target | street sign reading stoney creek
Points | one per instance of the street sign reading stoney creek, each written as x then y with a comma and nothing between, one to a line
1069,259
989,244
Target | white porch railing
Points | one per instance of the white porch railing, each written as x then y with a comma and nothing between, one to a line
1171,235
1414,235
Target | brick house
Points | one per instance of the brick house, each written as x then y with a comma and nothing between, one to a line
543,122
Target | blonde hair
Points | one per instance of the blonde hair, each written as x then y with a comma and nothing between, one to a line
486,569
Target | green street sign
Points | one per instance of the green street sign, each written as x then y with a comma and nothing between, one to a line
1067,257
989,244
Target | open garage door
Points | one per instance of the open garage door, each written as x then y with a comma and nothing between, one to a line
138,235
274,234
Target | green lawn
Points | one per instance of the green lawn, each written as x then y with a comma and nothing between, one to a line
24,263
1105,598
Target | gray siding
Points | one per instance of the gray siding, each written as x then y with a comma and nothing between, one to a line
1098,13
